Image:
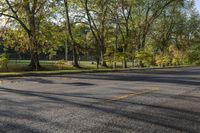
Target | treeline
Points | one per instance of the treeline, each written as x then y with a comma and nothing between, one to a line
145,32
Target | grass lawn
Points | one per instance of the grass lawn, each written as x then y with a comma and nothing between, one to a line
22,65
16,66
21,68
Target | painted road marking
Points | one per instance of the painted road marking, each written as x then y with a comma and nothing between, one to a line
117,98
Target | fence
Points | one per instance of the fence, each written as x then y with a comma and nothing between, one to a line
25,62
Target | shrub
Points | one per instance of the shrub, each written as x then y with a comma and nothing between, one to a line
144,57
3,62
163,60
60,64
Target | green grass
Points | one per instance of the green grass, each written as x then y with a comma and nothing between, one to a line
83,64
21,68
22,65
70,71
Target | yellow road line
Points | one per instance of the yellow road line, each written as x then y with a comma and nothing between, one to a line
133,94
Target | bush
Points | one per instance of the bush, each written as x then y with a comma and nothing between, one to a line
163,61
60,64
194,54
3,62
144,57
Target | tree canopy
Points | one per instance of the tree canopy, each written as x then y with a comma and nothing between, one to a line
145,32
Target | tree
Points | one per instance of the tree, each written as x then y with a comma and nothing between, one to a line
69,29
28,14
145,31
96,12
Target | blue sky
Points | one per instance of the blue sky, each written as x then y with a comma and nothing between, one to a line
197,4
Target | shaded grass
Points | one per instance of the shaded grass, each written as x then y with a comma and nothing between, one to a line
83,64
25,68
21,68
51,71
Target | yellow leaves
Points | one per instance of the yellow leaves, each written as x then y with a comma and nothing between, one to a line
16,39
178,56
174,50
163,60
144,56
3,62
60,64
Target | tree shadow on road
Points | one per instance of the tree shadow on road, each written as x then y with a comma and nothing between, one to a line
159,116
142,77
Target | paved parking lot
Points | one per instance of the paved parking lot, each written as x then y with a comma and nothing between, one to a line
151,101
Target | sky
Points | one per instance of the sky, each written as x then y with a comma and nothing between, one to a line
197,4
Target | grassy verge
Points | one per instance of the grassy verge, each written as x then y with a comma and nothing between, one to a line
55,72
73,71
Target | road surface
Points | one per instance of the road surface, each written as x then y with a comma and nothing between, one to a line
148,101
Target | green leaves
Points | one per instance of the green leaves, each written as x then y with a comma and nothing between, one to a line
144,57
3,62
153,32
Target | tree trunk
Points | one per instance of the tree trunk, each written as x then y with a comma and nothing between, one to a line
34,64
125,63
32,32
124,59
69,29
97,62
141,64
103,51
75,58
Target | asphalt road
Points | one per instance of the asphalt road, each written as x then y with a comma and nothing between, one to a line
151,101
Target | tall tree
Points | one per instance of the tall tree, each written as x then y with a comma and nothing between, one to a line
70,34
28,14
96,12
